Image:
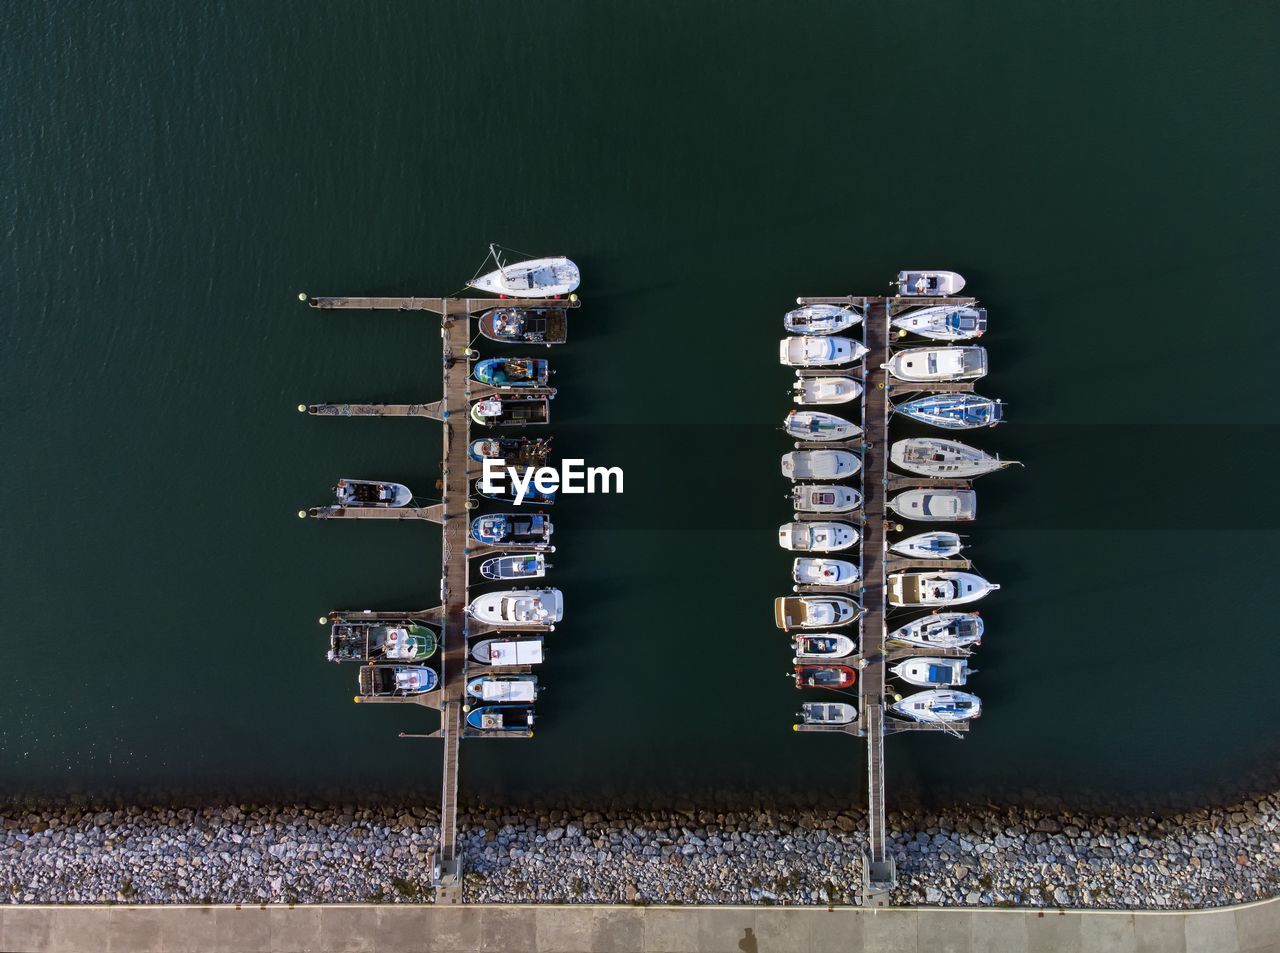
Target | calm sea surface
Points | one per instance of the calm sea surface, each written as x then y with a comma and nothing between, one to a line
175,173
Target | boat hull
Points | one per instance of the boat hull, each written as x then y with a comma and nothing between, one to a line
534,278
935,457
939,706
813,426
525,325
827,645
954,411
936,506
936,545
931,365
820,464
820,319
946,630
825,676
824,572
817,391
917,283
810,351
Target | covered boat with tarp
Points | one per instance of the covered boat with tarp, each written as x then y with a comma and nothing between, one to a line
501,718
513,371
526,325
503,688
401,681
380,642
360,493
507,528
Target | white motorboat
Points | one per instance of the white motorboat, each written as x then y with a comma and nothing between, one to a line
939,705
828,713
816,426
825,390
812,351
360,493
941,630
518,607
937,457
824,572
814,612
503,688
815,537
535,278
942,588
934,672
823,645
932,284
939,545
824,498
508,651
954,411
944,323
524,566
927,365
820,319
819,464
942,505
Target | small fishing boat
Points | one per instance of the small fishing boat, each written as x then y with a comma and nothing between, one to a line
934,672
815,537
507,528
518,607
820,319
941,630
822,645
824,676
927,365
938,545
939,705
819,464
819,351
503,688
944,323
530,566
943,588
534,278
814,612
813,425
808,571
358,493
933,284
824,498
930,505
511,411
512,451
500,652
513,371
380,642
525,325
532,496
954,411
936,457
828,713
501,718
825,390
400,681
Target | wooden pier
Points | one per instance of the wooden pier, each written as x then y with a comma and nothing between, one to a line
874,723
453,515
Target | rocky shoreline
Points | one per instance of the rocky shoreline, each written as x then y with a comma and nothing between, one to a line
301,853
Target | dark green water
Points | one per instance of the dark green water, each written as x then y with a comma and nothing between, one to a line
176,173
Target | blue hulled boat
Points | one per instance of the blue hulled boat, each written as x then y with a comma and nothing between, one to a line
511,528
954,411
502,718
513,371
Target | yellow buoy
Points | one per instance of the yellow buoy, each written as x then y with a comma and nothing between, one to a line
573,297
795,727
356,699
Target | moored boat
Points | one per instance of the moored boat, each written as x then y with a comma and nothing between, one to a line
511,411
814,612
400,681
813,425
380,642
825,390
954,411
819,464
944,323
816,537
937,588
359,493
824,498
919,282
937,457
927,365
824,676
511,451
501,718
946,630
523,566
934,672
809,351
516,608
513,371
503,688
828,713
936,505
936,545
808,571
820,319
939,705
822,645
505,652
507,528
525,325
532,495
534,278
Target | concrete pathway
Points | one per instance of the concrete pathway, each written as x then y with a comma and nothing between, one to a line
1254,928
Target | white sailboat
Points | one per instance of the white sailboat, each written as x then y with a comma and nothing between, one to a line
820,319
937,457
824,498
936,505
939,545
921,282
944,323
939,705
825,390
928,365
819,351
535,278
941,588
812,425
807,571
819,464
945,630
816,537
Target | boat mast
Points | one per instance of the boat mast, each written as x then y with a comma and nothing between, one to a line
493,250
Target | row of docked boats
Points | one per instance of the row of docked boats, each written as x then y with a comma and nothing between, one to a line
931,650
